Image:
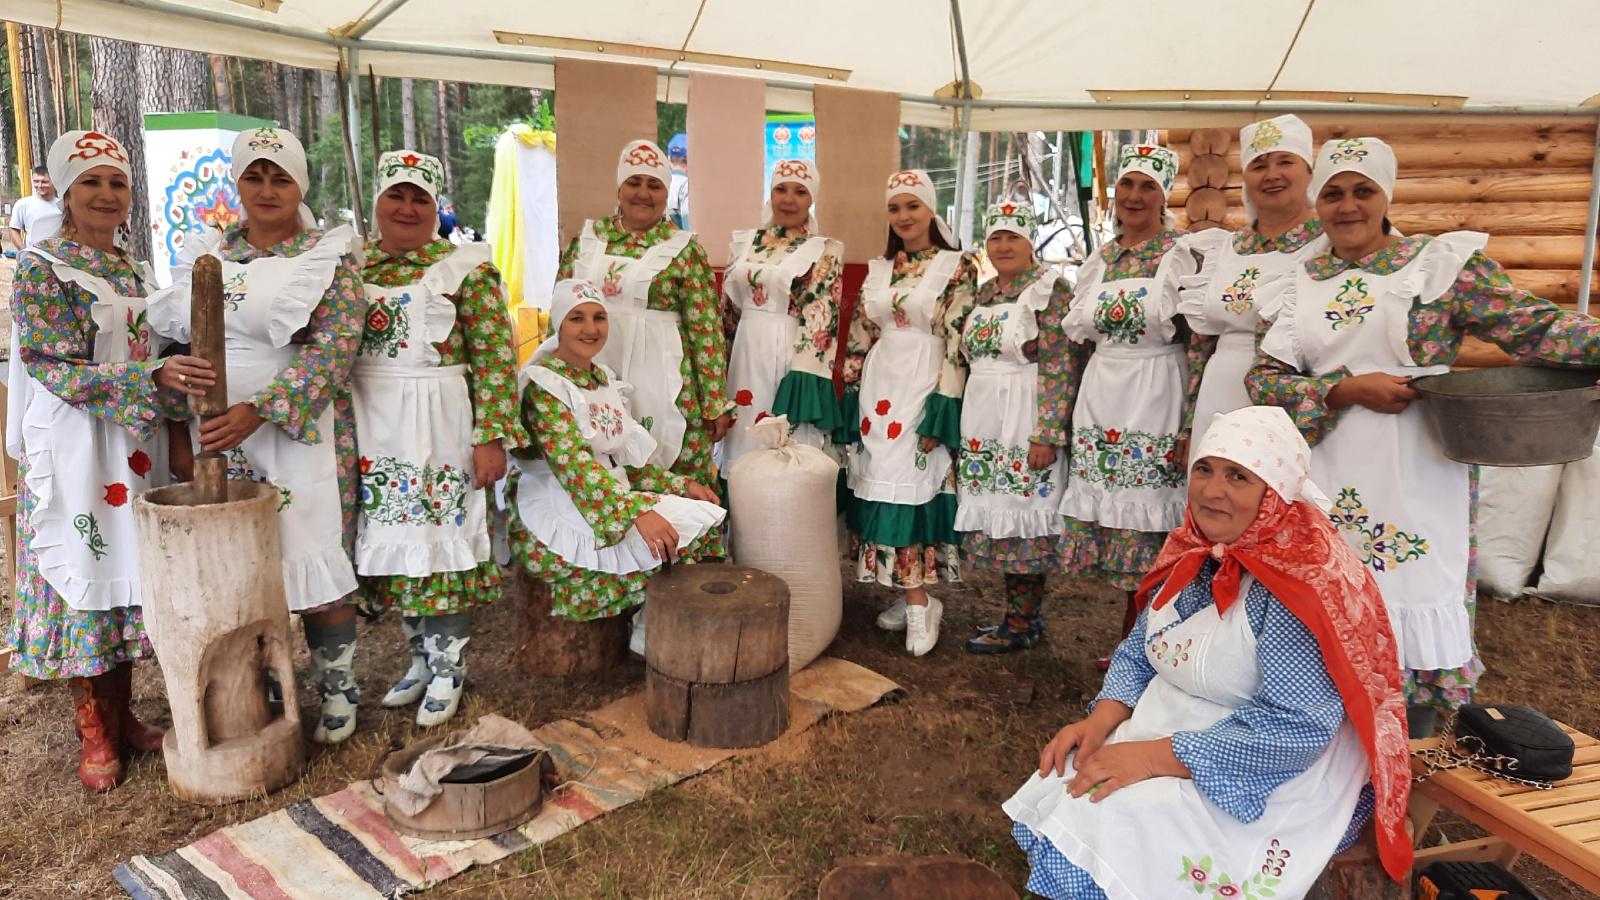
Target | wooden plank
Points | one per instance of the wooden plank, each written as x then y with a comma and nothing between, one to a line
1432,127
1582,786
1479,186
1497,218
1536,252
1582,831
1417,157
1555,285
1567,813
1489,849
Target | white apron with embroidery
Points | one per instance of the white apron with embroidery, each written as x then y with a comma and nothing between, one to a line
900,373
84,471
419,513
1161,839
617,441
763,347
645,346
1000,495
1129,410
1398,500
265,303
1225,305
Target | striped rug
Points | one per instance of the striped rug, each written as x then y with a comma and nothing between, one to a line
341,845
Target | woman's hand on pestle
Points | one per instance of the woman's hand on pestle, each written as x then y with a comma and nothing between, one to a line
186,374
220,434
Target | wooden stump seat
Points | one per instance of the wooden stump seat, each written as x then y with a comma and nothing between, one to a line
552,645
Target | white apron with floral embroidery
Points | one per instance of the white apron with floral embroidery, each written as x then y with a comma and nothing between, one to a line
1399,501
419,514
900,373
1161,838
83,470
1125,424
265,303
645,346
548,512
764,346
1000,495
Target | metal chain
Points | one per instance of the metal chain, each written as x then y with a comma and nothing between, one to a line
1448,755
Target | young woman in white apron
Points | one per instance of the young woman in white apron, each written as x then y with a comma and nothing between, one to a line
903,415
88,397
779,295
1126,405
292,312
667,338
1220,302
436,410
1009,483
1354,325
591,516
1251,724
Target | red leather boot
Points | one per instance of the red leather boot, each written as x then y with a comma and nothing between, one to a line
100,769
119,693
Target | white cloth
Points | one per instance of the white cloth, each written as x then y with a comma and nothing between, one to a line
1125,424
763,347
265,303
76,152
1367,155
643,158
280,147
1159,163
1286,134
1113,839
37,219
83,470
918,184
617,441
900,373
419,512
1264,440
1398,500
645,346
1000,495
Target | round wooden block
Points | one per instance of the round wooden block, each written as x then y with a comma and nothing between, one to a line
1206,204
711,623
725,716
1216,141
1208,171
552,645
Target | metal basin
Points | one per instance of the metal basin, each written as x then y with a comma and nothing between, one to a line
1514,416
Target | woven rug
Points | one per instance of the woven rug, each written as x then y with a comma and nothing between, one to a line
341,845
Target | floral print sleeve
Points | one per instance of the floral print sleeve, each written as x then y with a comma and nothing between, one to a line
1485,304
1273,382
1197,352
954,306
817,344
705,344
297,397
483,328
607,508
863,335
1061,365
658,480
569,259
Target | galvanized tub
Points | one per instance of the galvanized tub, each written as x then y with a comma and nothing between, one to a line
1514,416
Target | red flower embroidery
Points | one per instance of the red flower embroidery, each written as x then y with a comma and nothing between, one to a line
894,430
139,462
763,415
366,465
974,443
882,408
1113,435
744,398
117,494
866,425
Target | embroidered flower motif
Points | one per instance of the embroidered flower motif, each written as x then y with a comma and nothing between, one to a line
611,285
1267,135
882,408
117,494
1120,317
1239,297
744,398
758,291
89,529
139,462
1350,306
1113,458
866,425
138,336
1380,545
894,430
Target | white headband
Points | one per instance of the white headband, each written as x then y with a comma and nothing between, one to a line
567,295
1159,163
76,152
643,158
407,167
281,147
1367,155
794,171
917,183
1264,440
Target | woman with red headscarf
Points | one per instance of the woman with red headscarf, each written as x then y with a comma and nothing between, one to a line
1252,722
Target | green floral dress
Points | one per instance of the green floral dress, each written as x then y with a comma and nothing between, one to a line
481,340
581,594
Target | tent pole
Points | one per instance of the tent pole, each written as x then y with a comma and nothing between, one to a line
350,112
19,111
961,167
1586,280
967,186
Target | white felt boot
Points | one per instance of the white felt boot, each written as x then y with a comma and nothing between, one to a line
336,683
410,687
447,677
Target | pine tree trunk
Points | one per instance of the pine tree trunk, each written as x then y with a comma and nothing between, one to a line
293,97
442,103
328,125
408,114
219,83
41,100
114,96
173,80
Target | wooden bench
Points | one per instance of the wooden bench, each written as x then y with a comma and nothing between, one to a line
1559,827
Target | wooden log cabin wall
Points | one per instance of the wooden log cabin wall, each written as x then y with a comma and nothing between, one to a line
1524,183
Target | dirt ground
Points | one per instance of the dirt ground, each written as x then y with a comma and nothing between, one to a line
925,776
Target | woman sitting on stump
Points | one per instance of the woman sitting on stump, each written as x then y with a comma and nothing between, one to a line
590,516
1230,745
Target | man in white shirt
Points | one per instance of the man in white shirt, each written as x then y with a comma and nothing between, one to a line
36,217
678,190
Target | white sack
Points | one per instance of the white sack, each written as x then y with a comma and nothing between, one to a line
1514,509
780,507
1572,555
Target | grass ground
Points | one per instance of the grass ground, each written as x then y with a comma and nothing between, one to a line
924,776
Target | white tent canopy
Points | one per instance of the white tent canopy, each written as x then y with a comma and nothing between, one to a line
1039,64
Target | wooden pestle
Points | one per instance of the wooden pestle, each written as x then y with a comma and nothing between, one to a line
206,340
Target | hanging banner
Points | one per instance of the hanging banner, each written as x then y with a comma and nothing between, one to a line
788,137
190,185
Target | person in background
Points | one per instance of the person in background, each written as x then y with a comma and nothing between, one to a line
678,189
38,215
447,218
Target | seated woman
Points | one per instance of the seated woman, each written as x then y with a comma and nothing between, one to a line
1229,748
589,516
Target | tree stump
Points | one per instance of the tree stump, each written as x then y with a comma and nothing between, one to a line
554,645
717,656
1208,172
914,878
1358,874
1213,141
1206,204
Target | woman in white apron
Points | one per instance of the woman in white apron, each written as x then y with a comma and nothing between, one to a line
1128,386
667,338
1220,303
293,309
1355,324
435,400
590,514
88,398
903,409
1251,724
1008,482
780,292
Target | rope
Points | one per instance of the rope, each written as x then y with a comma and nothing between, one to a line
1295,40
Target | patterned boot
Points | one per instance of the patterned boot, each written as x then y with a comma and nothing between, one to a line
134,734
99,769
445,638
1023,626
333,651
410,687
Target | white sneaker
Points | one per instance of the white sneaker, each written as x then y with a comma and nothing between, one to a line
922,627
894,618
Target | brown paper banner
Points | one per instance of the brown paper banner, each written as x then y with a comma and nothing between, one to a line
858,148
727,153
600,107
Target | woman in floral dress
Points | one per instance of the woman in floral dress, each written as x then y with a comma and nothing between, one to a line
1009,483
903,409
293,311
590,514
1353,326
86,380
667,338
436,404
1127,384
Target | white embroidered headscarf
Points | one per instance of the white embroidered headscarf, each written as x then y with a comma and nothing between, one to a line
1285,134
280,147
568,294
407,167
1264,440
794,171
1367,155
643,158
76,152
917,183
1009,215
1157,162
